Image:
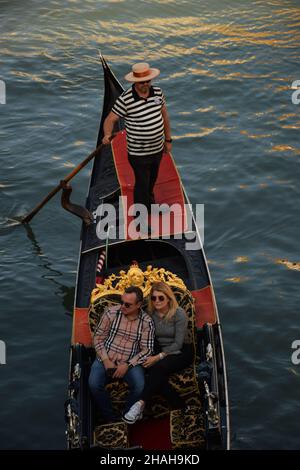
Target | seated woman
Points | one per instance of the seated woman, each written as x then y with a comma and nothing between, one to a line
172,355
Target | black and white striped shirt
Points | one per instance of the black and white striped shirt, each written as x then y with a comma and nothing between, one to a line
143,120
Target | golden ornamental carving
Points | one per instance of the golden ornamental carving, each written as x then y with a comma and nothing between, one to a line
135,276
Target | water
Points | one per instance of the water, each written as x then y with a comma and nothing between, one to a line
226,70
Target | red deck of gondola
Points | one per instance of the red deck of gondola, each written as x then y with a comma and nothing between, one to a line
167,190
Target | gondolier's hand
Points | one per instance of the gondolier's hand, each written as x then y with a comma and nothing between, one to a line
106,139
167,147
121,371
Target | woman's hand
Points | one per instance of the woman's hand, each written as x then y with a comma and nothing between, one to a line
150,361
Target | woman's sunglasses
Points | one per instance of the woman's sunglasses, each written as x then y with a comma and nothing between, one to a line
161,298
126,304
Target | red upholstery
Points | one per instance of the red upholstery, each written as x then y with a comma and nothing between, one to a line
204,307
81,329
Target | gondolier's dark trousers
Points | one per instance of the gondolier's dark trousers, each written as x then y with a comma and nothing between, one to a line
145,171
157,377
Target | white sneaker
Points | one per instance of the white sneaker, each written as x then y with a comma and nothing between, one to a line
134,413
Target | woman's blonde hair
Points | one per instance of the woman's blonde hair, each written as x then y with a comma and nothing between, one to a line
165,289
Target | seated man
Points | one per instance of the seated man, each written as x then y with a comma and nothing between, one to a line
123,340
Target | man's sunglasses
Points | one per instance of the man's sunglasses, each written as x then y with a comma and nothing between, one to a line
161,298
146,81
126,304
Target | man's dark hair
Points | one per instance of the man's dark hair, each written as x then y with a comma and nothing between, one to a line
137,291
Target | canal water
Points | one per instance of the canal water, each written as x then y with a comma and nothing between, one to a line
227,69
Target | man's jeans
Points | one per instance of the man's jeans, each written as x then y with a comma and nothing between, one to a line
98,379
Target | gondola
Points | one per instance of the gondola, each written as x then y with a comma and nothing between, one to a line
110,258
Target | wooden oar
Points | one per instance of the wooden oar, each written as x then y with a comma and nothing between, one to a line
76,170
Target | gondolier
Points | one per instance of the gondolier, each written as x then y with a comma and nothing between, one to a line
147,126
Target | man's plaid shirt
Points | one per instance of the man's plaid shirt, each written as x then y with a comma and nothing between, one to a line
121,340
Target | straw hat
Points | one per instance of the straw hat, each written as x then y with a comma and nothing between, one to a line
141,72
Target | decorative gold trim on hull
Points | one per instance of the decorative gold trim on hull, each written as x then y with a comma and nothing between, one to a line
116,284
